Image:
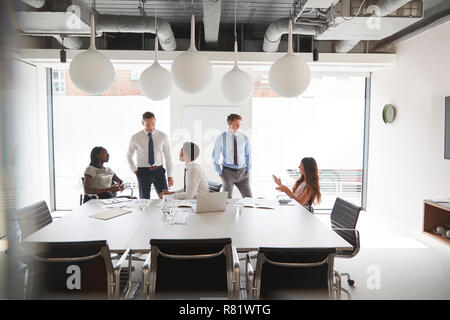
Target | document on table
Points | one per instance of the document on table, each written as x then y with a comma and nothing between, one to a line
114,200
110,213
180,217
257,203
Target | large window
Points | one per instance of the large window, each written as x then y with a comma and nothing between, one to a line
82,122
326,123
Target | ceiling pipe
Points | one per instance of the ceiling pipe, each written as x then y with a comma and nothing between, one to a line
35,3
384,7
72,43
276,29
138,24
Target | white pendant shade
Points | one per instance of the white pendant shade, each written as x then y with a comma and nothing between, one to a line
289,76
155,81
191,71
91,71
237,85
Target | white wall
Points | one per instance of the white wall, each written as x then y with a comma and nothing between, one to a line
406,158
210,97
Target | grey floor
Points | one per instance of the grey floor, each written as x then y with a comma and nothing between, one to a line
393,263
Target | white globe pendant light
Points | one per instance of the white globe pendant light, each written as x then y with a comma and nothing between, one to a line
155,81
237,85
192,71
91,71
289,76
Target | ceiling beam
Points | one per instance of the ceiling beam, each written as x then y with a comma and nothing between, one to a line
211,21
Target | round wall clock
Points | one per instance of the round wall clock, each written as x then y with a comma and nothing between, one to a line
388,113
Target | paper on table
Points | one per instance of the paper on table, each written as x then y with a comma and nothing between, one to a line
257,203
179,218
114,200
111,213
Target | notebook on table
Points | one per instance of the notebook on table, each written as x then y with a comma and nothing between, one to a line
110,213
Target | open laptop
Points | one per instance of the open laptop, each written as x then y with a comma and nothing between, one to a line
211,202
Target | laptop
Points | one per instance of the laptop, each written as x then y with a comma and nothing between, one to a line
211,202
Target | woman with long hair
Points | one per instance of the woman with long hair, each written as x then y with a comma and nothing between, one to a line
306,189
100,180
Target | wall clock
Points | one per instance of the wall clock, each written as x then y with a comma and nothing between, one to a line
388,113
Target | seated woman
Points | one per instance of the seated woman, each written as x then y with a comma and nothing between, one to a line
100,180
306,189
195,179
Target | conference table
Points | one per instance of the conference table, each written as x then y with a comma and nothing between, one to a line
249,228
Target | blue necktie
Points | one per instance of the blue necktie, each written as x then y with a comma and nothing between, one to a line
151,152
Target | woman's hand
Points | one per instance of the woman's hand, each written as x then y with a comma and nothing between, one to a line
277,180
115,188
283,188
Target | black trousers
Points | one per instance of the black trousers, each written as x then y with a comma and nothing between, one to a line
148,177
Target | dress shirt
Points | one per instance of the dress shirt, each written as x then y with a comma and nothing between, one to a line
196,182
225,146
139,144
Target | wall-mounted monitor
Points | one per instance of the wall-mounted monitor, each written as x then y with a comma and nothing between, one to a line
447,129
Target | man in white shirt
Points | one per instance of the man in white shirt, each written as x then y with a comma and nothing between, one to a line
152,150
195,179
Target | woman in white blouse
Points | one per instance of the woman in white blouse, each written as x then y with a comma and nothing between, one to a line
195,179
306,189
100,180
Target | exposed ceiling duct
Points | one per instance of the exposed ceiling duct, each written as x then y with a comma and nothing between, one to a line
211,20
35,3
381,9
276,29
134,24
72,43
76,24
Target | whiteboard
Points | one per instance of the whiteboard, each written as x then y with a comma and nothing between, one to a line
202,124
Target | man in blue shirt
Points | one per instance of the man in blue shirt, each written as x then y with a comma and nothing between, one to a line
234,147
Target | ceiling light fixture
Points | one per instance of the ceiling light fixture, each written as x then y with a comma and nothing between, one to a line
155,81
191,70
289,76
91,71
236,85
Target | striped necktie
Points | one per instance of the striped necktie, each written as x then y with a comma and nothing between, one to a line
151,152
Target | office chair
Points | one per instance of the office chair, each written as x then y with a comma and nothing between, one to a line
191,268
214,186
73,270
293,273
344,217
33,218
86,197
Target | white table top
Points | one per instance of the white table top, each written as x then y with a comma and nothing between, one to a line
249,228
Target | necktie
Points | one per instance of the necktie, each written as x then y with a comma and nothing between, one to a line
184,179
151,152
235,151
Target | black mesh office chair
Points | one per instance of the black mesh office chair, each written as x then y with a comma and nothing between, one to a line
293,273
73,270
33,218
191,268
214,186
344,217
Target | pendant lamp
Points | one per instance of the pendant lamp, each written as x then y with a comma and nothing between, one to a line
192,71
155,81
289,76
91,71
236,85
